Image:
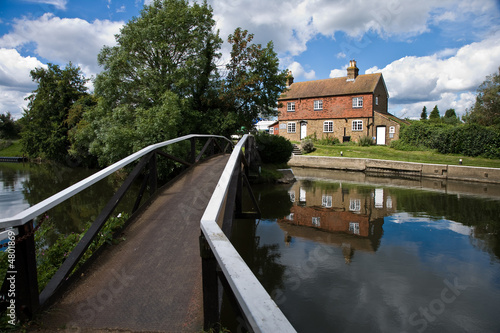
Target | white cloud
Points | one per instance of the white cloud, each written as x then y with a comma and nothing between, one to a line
338,72
59,4
298,71
15,80
417,81
62,40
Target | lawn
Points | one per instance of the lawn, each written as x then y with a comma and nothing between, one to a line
387,153
10,150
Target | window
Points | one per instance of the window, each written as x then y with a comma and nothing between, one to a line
290,106
355,205
289,217
357,102
357,125
354,228
292,195
318,105
392,129
326,201
376,100
271,130
316,222
291,128
328,127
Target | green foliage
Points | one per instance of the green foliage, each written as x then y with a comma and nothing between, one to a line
253,82
273,148
434,116
468,140
9,128
423,115
45,126
486,110
307,146
365,141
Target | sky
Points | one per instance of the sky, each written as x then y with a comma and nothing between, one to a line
429,52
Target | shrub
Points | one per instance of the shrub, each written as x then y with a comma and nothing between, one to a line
273,148
365,141
307,146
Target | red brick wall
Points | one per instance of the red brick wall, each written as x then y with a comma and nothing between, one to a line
333,107
276,129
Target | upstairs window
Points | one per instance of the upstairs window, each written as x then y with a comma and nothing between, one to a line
328,127
376,100
357,102
357,125
290,106
318,105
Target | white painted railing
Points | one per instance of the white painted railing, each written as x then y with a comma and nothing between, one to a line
260,310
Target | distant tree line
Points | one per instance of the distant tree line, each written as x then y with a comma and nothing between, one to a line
162,80
477,134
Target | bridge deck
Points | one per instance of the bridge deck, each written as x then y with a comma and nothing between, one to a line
151,281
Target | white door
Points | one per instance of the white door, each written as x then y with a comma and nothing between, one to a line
381,135
303,130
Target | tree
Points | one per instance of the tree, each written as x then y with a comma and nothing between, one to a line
253,82
45,131
486,110
450,117
434,114
160,70
9,128
423,115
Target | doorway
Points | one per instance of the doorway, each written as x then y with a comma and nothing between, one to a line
303,130
381,135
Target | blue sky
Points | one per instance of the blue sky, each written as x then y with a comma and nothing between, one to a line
429,52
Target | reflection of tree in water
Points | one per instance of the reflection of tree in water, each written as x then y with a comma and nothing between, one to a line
11,173
478,213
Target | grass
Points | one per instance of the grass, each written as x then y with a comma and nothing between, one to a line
10,148
387,153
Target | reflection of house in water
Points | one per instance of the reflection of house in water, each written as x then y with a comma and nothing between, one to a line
350,217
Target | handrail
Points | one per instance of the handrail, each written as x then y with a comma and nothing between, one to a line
32,212
260,310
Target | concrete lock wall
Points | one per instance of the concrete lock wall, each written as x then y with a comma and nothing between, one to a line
440,171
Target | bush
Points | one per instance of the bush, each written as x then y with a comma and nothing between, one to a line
365,141
273,148
307,146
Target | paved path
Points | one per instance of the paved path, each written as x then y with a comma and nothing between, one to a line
150,282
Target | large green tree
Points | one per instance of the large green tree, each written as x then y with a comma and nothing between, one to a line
45,126
434,115
486,110
155,80
423,115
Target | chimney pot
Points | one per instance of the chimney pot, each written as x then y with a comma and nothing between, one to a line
352,71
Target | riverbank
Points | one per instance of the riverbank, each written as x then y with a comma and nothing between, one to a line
399,168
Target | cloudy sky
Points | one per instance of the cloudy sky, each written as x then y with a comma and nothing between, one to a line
430,52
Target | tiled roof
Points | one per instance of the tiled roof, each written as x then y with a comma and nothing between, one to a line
332,87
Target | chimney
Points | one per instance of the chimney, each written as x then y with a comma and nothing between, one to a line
289,79
352,71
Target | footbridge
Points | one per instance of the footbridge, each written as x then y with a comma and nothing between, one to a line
174,260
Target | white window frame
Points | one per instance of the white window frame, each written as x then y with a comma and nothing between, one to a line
376,100
271,130
392,129
326,201
290,106
355,205
354,228
357,102
328,126
316,222
357,125
289,127
318,105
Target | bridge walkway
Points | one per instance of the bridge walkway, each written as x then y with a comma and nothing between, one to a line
151,281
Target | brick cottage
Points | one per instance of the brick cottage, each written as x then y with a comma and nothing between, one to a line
346,108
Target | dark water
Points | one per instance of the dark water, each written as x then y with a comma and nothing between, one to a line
24,185
344,252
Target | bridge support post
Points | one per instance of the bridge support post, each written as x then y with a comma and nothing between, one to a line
192,157
211,306
24,273
153,174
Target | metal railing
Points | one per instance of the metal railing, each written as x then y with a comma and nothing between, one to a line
259,310
20,227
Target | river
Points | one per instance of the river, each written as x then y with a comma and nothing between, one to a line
346,252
